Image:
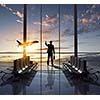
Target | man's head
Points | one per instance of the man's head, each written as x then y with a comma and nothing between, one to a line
50,42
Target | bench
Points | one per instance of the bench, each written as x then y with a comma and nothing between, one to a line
74,68
23,65
71,68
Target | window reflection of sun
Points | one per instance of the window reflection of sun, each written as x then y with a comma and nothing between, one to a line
28,48
31,48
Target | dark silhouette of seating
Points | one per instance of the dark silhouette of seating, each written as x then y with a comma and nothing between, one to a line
23,65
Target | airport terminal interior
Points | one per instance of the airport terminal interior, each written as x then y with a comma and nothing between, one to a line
49,49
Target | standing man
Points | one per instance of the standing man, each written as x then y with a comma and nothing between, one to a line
50,52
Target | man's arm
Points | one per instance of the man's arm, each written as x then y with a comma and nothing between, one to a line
46,43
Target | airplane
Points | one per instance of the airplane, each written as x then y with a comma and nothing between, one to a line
27,43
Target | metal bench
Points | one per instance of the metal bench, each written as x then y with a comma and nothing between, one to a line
76,68
23,65
71,68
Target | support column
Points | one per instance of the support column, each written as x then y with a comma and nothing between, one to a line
24,30
75,35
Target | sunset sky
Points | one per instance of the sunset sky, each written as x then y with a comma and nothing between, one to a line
11,27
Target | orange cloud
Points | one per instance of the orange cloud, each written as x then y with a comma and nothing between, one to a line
19,14
50,19
84,21
47,21
68,17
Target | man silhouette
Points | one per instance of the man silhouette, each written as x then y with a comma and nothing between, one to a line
50,52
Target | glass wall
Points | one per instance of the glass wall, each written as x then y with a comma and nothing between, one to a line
89,33
11,29
66,32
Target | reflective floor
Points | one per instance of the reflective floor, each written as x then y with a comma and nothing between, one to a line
49,82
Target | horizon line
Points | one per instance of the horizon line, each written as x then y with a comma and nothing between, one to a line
4,52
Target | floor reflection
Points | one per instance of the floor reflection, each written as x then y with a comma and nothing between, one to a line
80,86
50,77
19,85
30,84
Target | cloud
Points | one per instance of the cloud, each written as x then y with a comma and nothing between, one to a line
67,32
68,17
84,21
49,25
88,10
82,30
46,31
17,13
67,24
91,23
4,5
90,19
19,21
48,21
38,23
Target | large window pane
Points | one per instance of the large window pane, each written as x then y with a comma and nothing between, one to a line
50,32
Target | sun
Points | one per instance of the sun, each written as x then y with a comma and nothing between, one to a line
31,48
28,49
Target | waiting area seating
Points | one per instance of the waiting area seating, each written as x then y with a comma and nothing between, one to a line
75,66
23,65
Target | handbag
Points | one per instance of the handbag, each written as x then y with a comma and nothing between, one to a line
54,57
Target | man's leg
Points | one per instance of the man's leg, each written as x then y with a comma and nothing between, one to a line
52,60
48,59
